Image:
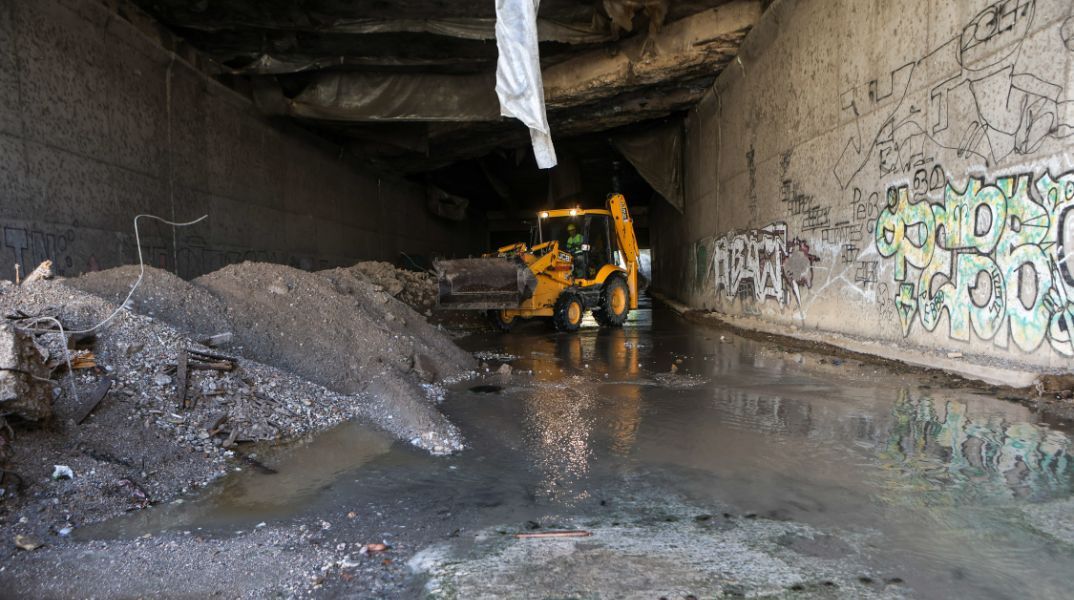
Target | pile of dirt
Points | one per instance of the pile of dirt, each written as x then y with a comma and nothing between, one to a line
417,290
341,332
134,443
161,295
308,351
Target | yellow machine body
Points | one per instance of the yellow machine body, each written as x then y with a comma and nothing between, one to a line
556,271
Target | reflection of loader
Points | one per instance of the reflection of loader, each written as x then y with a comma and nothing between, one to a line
584,260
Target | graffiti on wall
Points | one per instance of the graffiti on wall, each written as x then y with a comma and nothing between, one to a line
989,103
32,246
762,264
992,257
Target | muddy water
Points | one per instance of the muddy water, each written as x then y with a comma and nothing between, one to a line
947,490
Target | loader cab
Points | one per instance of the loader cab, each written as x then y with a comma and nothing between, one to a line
595,228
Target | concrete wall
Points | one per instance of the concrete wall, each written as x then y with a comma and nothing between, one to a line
901,171
98,122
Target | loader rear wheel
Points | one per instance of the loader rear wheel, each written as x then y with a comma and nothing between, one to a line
614,304
567,314
501,321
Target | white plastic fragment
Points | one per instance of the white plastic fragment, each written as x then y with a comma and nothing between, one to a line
518,74
62,472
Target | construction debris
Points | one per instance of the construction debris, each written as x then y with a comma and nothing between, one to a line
25,542
93,399
43,271
25,390
416,289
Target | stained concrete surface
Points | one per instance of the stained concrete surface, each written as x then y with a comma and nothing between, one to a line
702,463
882,158
100,122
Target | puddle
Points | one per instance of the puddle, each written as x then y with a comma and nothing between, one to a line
952,491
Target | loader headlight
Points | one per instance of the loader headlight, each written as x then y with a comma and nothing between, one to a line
574,212
544,215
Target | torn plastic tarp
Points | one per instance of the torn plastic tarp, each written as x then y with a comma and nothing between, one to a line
267,64
406,97
477,28
518,74
656,153
471,29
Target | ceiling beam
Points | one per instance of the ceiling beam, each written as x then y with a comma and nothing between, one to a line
694,46
685,48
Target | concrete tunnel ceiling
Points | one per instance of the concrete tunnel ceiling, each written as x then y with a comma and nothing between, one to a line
409,85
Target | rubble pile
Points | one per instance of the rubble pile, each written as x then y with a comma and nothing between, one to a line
415,289
182,376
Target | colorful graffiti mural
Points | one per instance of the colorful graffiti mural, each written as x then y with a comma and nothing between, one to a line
992,257
762,264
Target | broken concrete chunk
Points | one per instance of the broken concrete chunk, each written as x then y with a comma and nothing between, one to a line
25,390
25,542
505,369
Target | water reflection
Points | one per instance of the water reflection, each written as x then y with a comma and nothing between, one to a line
580,395
942,447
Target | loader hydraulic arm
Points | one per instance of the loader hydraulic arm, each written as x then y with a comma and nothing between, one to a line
628,243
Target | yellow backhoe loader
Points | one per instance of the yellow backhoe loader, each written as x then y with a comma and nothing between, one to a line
583,260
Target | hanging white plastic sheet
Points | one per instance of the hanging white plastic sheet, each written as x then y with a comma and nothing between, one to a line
518,74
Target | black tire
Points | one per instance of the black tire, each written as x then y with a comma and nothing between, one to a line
499,322
614,305
568,312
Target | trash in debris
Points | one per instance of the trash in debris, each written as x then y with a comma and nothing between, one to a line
139,497
83,359
62,472
374,548
92,400
554,534
25,542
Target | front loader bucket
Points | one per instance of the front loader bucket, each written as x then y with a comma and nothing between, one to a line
484,283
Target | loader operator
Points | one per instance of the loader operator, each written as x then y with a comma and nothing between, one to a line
575,247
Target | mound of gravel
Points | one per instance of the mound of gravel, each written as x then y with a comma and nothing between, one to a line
161,295
331,327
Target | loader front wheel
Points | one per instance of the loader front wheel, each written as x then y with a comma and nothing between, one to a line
501,321
614,305
567,314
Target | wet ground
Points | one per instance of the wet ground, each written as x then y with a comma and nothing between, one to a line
701,464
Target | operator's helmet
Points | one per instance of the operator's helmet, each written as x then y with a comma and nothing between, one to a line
571,228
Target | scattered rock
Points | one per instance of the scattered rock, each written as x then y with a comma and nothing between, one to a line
25,542
62,472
